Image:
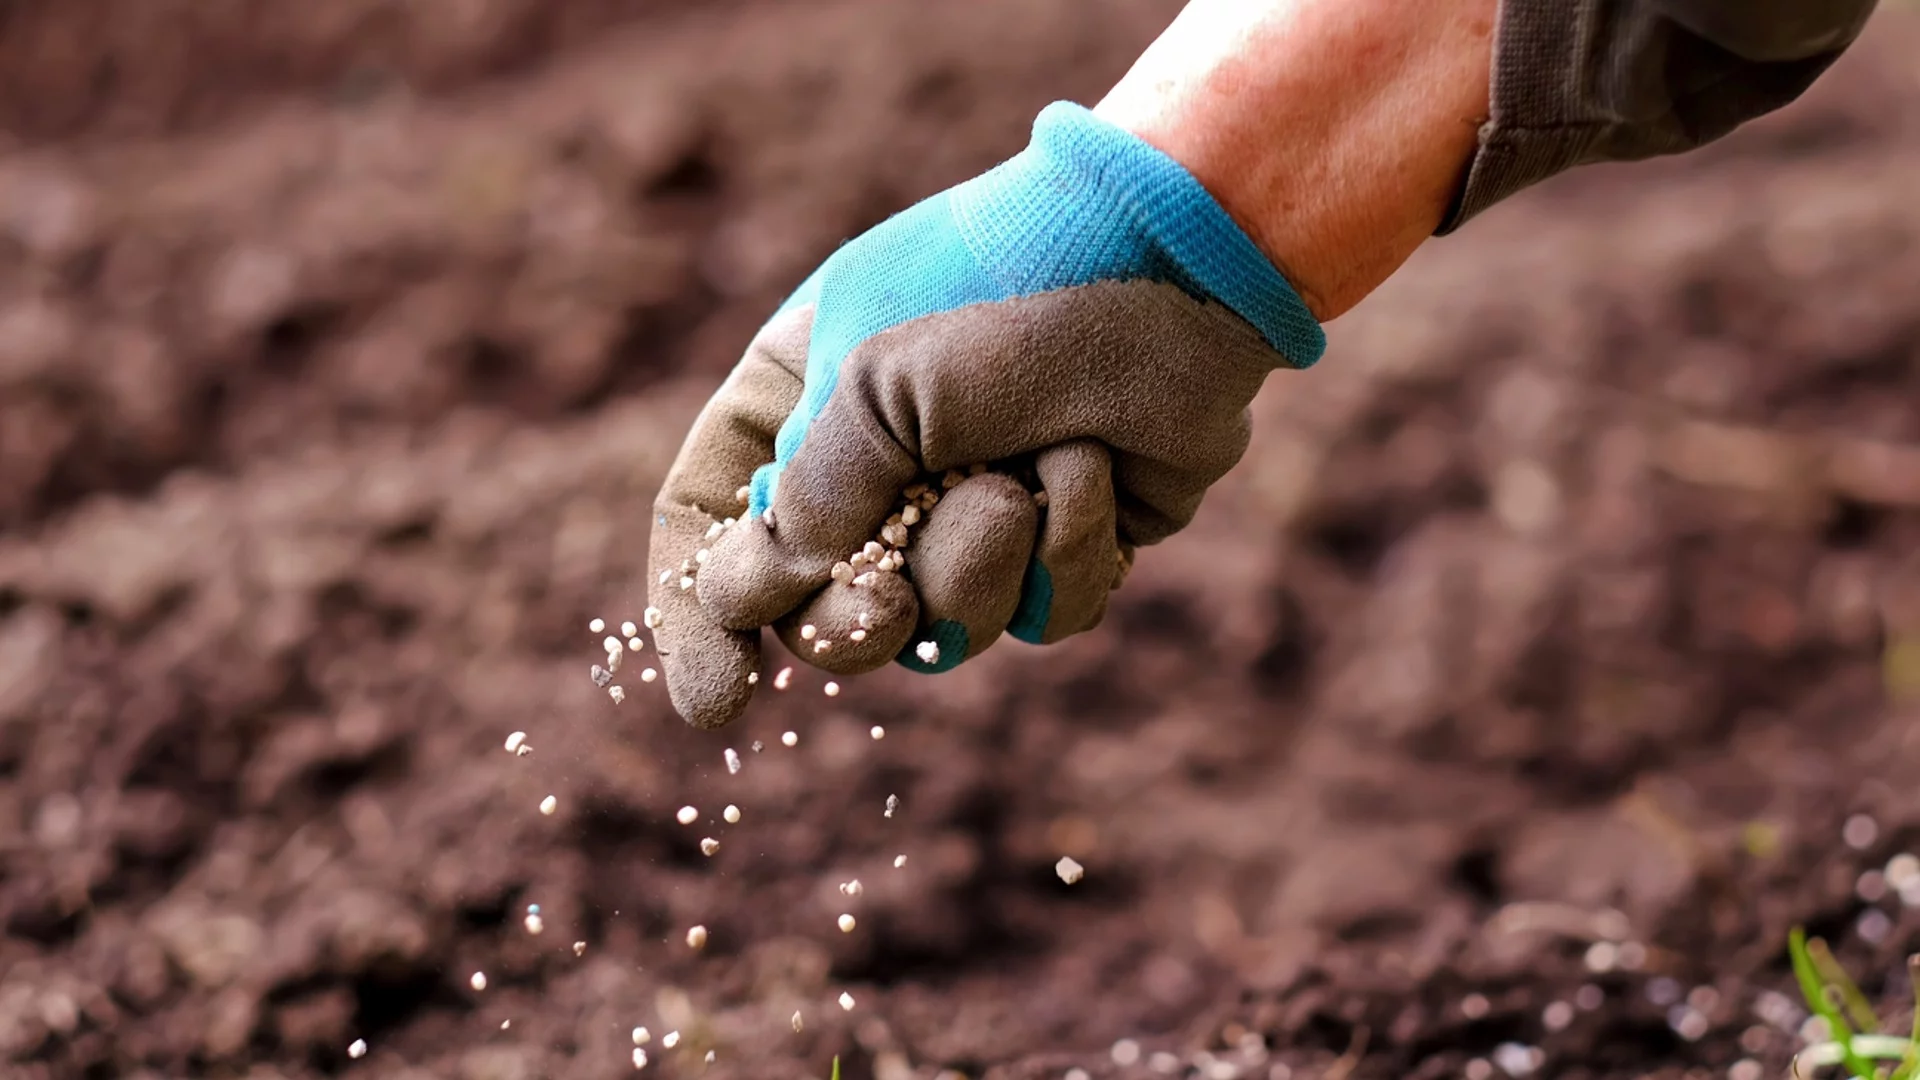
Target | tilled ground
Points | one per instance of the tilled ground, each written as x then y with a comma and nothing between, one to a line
1572,602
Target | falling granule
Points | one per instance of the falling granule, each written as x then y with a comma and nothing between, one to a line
515,741
478,980
639,1058
549,804
610,645
798,1023
832,689
709,1057
697,937
596,626
758,746
846,924
628,629
641,1036
928,652
893,803
601,676
534,924
876,731
1069,871
357,1049
687,815
851,888
579,948
634,644
670,1040
647,675
618,694
899,861
784,677
731,815
733,761
708,845
753,678
846,1001
651,616
789,738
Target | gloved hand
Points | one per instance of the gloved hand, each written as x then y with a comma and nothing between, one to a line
1085,312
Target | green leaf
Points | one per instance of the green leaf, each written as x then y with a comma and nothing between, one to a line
1821,1002
836,1067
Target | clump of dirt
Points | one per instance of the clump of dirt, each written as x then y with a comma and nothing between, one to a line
1500,713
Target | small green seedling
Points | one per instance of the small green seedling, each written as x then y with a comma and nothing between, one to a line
836,1067
1835,998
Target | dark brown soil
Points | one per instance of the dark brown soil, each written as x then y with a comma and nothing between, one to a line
341,352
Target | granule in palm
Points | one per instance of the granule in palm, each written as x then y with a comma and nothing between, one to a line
686,583
843,572
549,804
708,845
515,741
832,689
822,645
858,636
478,980
357,1049
697,937
601,676
808,631
687,815
789,738
670,1040
618,694
666,576
846,1001
731,815
1069,871
641,1036
782,678
928,652
700,557
596,626
639,1058
846,924
648,674
651,616
628,629
733,761
910,516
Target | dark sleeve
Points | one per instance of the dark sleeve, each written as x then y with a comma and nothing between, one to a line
1581,81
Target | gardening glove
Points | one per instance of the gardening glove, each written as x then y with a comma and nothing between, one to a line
1084,314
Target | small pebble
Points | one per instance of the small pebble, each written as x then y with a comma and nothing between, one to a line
733,761
731,815
639,1058
846,1001
877,732
641,1036
753,678
846,924
687,815
670,1040
515,741
832,689
549,804
1069,871
357,1049
617,693
697,937
789,738
781,680
651,616
843,572
597,625
601,676
478,980
708,845
647,675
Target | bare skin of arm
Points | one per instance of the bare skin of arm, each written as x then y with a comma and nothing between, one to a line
1335,132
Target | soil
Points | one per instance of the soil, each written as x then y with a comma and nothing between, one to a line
1572,600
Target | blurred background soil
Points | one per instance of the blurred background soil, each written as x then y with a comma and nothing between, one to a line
1500,714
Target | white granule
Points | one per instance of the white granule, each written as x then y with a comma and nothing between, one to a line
858,636
534,925
877,732
733,761
784,677
648,675
635,644
832,689
613,656
846,924
808,631
670,1040
846,1001
753,678
618,694
357,1049
899,861
797,1022
515,740
639,1058
687,815
597,625
843,572
789,738
1069,871
651,616
627,629
852,888
641,1036
579,948
743,495
708,845
893,803
928,652
666,576
697,937
686,583
549,804
478,980
731,814
601,676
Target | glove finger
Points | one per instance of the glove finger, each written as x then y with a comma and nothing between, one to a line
968,563
1075,563
707,665
856,628
830,500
